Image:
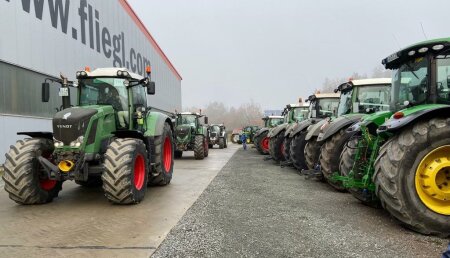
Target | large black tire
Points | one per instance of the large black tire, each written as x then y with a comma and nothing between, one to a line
297,151
178,154
287,148
226,141
126,171
395,174
22,175
346,164
221,143
330,156
276,147
261,147
199,147
164,156
92,182
312,152
206,149
233,138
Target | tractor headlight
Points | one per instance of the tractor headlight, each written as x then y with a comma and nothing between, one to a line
77,143
58,144
123,74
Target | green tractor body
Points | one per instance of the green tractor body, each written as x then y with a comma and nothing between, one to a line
292,113
260,137
191,135
403,162
358,99
110,138
321,106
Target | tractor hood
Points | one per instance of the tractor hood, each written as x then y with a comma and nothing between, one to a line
71,123
183,133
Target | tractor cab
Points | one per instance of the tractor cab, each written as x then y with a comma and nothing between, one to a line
192,134
295,113
272,121
323,105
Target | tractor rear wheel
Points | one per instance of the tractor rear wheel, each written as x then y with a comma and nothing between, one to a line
412,176
92,182
23,177
234,138
312,152
262,143
126,171
221,143
330,156
297,151
178,154
199,147
164,156
347,163
276,147
226,142
286,149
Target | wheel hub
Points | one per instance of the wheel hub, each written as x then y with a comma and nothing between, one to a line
433,180
265,143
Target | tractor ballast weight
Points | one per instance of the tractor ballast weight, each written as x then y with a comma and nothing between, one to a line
111,138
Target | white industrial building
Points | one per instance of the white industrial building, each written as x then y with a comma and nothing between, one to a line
41,39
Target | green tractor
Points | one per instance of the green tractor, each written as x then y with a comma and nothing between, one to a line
261,139
292,113
404,161
358,98
191,135
110,138
321,107
217,136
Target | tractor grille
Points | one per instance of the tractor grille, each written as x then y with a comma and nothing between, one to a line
213,134
71,123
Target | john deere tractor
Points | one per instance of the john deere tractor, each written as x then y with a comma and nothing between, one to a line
408,164
358,98
191,134
111,137
292,113
321,106
217,135
261,139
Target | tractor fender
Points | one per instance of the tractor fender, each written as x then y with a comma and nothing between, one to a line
393,124
277,129
260,131
45,135
314,129
155,123
337,124
289,129
301,126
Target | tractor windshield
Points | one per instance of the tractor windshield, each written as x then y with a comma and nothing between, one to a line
275,121
410,84
345,103
327,106
300,113
215,129
104,91
187,120
372,98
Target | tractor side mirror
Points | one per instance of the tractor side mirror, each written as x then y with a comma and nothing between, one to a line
151,88
45,92
206,120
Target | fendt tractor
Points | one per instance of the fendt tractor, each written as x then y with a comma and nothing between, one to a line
321,106
260,139
217,136
191,135
358,98
405,161
292,113
110,138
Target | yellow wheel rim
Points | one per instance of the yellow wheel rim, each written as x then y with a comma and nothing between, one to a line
433,180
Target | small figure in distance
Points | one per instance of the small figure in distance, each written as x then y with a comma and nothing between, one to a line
244,140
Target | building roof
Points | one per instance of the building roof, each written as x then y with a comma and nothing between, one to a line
141,26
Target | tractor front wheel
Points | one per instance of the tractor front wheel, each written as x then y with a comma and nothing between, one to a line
297,151
199,147
286,148
23,178
276,147
262,143
412,176
221,143
126,171
164,156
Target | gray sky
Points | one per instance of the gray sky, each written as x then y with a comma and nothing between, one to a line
273,52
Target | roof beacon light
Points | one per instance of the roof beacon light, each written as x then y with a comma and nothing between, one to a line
148,69
398,115
87,69
423,50
438,47
411,53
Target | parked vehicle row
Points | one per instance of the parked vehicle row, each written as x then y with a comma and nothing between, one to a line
385,141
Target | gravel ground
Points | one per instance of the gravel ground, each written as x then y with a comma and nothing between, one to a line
254,208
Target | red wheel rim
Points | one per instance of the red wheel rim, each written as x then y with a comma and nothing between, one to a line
265,143
167,154
47,184
139,172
